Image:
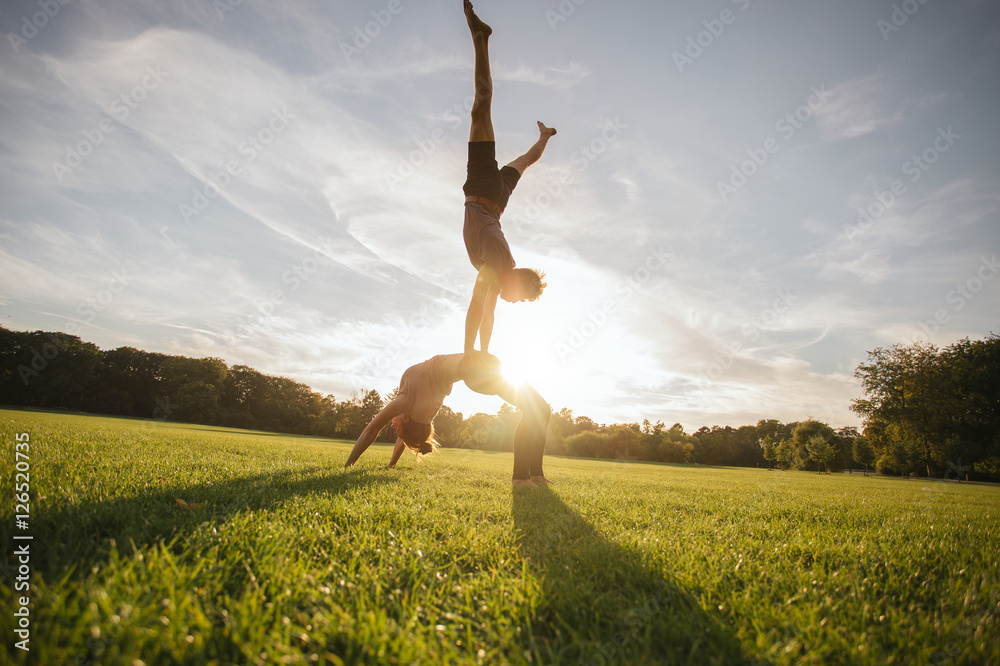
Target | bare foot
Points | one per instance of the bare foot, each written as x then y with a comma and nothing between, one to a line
523,483
546,131
479,29
540,479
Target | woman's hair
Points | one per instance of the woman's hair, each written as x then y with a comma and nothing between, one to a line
418,437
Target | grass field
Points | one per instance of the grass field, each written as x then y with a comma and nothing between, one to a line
169,543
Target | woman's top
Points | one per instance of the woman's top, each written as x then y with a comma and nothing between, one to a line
424,387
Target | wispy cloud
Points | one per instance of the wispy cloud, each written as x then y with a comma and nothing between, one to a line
861,106
560,78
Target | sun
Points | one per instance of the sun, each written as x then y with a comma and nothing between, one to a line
518,371
533,364
534,344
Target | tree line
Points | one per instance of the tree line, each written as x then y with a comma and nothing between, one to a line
60,371
933,412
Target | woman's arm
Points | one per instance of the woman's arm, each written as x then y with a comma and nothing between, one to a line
371,431
396,452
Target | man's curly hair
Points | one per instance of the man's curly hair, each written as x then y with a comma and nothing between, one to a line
533,281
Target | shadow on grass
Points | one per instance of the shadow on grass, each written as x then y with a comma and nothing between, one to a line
602,603
70,538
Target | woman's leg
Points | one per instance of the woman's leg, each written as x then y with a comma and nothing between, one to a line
483,373
537,410
530,433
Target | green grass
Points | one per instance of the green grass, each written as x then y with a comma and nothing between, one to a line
283,557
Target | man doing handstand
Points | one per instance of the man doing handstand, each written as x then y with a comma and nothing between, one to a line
487,190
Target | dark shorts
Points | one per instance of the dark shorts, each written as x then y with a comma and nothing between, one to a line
485,179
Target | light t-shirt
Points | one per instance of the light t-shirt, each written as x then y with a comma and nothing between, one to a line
425,384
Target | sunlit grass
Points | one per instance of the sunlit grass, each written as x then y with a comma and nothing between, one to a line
277,555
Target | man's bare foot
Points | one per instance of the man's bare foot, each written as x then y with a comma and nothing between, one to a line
539,480
523,483
476,25
546,131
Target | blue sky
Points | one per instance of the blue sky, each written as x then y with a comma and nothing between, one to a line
743,199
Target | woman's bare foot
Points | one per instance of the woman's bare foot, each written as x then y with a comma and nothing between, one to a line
523,483
476,25
540,479
546,131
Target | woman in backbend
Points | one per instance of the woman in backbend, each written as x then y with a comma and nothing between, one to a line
422,391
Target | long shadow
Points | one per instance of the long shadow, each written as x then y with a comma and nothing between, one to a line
602,604
70,538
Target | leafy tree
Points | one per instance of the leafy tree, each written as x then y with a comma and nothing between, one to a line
674,445
325,422
801,436
587,444
624,441
481,433
180,370
773,428
769,449
582,423
926,409
746,447
783,453
971,374
820,450
447,426
129,381
905,394
358,412
69,368
562,423
197,402
863,452
715,446
843,446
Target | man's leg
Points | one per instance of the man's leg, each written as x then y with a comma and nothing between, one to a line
535,152
482,118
